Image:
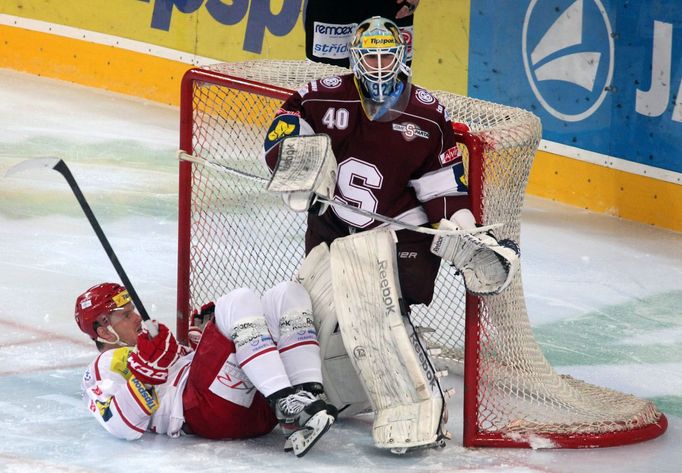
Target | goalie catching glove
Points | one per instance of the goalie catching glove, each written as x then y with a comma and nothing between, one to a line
487,265
150,359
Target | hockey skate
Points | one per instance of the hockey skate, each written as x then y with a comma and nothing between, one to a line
303,419
317,390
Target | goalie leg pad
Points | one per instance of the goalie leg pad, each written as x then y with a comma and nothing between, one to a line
388,357
341,384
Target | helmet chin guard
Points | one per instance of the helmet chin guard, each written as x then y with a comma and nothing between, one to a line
378,59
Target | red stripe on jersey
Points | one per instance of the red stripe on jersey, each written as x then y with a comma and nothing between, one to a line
123,418
98,377
295,345
267,350
179,375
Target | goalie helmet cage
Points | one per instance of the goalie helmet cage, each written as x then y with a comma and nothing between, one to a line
233,233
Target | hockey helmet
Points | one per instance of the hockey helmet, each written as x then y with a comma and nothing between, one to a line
378,54
97,303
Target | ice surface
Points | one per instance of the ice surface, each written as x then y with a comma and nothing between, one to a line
604,295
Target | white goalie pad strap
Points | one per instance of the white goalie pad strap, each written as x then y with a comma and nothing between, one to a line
487,265
306,164
389,359
341,383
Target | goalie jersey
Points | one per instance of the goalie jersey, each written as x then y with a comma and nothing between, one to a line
124,406
408,168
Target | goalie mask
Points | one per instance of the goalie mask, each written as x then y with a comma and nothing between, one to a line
378,58
97,303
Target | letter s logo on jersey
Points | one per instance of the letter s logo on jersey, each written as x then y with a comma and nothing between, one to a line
410,131
568,55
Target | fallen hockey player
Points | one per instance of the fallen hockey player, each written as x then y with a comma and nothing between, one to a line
256,365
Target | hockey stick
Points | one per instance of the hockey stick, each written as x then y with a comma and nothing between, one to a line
382,218
61,167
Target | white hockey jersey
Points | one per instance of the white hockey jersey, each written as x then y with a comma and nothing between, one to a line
124,406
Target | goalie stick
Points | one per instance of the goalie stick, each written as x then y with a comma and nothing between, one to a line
60,166
382,218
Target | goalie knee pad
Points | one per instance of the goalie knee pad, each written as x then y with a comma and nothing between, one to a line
341,384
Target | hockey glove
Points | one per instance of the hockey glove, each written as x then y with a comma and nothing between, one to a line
198,321
150,359
487,265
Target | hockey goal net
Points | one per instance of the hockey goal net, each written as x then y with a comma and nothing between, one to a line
233,233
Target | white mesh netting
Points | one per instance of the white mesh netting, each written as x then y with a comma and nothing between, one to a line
241,235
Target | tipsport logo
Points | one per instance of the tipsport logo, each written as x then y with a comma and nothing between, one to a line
568,56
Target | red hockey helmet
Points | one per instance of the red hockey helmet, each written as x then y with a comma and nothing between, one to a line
97,303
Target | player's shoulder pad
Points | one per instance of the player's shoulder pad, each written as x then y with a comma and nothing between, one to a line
118,361
286,123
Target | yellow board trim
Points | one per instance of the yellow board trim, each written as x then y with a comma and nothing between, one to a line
90,64
606,190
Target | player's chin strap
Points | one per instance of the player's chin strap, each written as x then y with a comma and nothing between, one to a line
117,342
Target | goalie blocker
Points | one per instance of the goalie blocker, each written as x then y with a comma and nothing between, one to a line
306,167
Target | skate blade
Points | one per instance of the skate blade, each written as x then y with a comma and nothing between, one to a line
303,440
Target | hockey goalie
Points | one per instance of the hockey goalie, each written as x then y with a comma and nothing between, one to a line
374,161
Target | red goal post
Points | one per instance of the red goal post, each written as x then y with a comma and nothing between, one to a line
233,233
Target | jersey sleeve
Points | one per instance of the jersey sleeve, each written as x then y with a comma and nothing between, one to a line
289,121
441,184
119,401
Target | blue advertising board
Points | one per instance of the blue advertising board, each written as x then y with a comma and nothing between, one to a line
602,75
